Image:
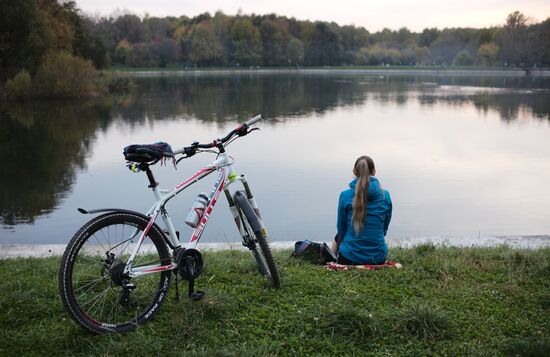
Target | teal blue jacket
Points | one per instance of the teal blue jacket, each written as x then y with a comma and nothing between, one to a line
367,247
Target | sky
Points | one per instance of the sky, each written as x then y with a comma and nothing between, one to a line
374,15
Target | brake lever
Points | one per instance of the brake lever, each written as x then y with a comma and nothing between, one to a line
247,131
188,152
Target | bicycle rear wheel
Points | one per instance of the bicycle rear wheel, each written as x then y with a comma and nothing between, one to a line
254,230
94,288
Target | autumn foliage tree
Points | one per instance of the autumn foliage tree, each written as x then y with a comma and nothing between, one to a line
30,29
272,40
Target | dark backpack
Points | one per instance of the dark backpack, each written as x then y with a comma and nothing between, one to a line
316,253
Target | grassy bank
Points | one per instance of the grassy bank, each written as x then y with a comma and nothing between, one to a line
445,301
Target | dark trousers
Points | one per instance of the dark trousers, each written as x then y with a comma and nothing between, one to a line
341,258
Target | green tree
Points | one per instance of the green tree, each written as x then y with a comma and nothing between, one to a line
295,51
19,86
222,24
450,42
246,43
86,44
404,37
325,47
58,21
378,54
541,43
275,38
23,37
487,53
30,28
205,48
158,28
167,51
486,35
130,28
428,36
422,54
124,52
463,58
514,41
352,39
144,54
64,75
307,30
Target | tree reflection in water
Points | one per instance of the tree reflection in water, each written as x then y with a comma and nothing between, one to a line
43,144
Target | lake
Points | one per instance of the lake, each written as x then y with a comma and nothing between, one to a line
466,159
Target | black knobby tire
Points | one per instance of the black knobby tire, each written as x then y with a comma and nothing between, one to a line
254,227
90,279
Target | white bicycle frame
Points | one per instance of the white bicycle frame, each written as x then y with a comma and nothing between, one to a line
227,176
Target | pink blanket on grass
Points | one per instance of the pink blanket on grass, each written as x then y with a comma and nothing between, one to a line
387,264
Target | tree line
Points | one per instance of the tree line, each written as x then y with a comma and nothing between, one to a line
36,31
272,40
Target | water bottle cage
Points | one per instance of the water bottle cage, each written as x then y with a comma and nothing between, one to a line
199,211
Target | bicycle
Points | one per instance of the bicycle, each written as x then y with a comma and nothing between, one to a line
111,280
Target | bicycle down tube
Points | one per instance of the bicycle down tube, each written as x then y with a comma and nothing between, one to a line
223,165
103,257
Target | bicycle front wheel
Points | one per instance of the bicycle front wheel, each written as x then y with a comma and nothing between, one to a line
94,287
256,235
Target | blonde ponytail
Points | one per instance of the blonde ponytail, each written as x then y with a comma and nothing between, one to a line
363,168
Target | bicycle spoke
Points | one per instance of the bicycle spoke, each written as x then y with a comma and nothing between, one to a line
97,281
90,283
95,299
90,288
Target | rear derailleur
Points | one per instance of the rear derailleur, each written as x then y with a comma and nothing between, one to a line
116,269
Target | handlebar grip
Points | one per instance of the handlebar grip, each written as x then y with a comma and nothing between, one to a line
254,120
250,122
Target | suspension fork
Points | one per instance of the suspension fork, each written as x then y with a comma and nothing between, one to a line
250,196
251,200
234,211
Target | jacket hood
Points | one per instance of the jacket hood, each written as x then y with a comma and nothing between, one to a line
374,187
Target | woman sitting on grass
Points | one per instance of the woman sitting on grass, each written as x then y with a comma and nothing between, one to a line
364,214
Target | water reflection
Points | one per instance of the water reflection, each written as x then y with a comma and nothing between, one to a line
222,99
44,144
226,98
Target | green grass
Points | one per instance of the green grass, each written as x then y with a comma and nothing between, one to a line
445,301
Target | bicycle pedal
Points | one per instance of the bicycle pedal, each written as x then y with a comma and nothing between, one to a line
197,295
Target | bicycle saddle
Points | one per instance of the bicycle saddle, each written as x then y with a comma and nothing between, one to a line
148,152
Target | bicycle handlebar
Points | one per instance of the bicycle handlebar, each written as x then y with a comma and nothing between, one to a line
254,120
241,130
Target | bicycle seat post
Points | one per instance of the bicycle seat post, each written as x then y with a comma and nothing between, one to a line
150,177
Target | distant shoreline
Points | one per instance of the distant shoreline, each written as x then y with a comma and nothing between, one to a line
487,72
8,251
